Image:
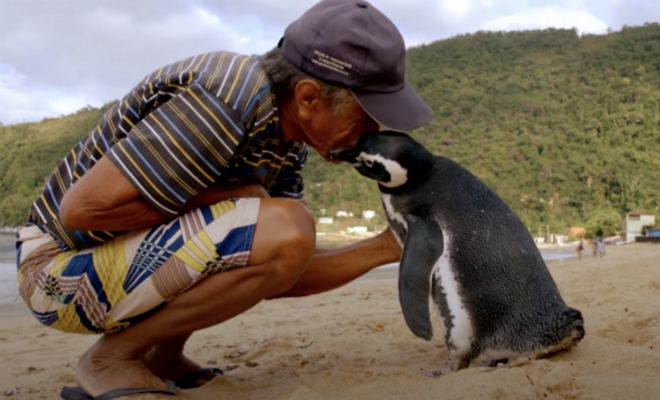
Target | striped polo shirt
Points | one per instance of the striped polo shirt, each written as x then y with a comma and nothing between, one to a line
207,120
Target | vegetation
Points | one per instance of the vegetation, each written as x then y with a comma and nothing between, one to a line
28,154
646,228
565,128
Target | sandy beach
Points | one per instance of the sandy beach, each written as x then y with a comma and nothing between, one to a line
352,343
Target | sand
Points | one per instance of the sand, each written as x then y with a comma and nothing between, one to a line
352,343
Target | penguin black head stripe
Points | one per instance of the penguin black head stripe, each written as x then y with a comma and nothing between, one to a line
386,158
468,252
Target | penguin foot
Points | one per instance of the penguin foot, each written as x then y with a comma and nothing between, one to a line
519,362
455,363
492,363
432,374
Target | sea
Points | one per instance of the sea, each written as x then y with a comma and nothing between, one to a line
9,283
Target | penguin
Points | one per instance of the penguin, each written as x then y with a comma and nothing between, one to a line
466,251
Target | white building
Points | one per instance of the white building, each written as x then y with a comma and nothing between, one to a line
634,221
368,214
326,220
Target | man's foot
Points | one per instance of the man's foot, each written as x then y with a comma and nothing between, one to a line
198,378
175,366
99,371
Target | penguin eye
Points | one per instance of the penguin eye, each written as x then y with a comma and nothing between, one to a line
369,163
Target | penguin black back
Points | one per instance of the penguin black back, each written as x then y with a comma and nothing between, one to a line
488,278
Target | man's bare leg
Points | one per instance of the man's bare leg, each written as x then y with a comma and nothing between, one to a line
166,360
283,246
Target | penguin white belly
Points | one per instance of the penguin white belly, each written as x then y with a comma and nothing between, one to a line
461,333
393,215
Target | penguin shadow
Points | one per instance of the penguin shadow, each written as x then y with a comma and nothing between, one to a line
488,361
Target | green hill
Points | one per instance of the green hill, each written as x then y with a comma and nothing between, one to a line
28,154
565,128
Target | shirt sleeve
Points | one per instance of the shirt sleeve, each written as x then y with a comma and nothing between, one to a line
179,148
290,179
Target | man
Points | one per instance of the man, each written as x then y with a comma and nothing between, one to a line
181,209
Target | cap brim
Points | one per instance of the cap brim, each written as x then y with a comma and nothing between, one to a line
400,111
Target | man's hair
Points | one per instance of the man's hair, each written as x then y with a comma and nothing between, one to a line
285,76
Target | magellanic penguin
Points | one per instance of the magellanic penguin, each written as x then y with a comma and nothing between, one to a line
465,249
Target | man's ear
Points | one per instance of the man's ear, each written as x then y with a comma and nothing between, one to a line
308,97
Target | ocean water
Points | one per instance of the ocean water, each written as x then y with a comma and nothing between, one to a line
9,283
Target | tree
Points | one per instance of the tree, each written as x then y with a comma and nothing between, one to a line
604,223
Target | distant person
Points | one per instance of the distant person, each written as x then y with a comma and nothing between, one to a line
181,209
594,248
601,248
579,249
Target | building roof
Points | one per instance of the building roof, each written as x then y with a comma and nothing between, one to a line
640,212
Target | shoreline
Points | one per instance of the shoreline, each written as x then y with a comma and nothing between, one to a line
16,307
9,294
344,236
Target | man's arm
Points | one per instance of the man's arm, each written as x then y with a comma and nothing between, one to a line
333,268
167,163
103,199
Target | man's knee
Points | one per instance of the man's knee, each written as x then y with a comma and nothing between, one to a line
291,223
286,237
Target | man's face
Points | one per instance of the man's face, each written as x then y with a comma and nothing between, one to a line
326,130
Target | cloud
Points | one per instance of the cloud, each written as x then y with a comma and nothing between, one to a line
418,20
22,105
12,100
88,52
58,56
541,18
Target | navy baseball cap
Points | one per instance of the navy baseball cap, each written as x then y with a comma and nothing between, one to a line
351,44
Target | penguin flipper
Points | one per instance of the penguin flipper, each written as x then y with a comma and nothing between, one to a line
421,250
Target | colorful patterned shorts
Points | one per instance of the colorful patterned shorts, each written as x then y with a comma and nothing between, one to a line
111,286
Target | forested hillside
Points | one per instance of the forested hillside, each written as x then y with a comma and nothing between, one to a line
28,154
565,128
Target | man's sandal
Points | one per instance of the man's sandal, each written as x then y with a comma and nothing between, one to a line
76,393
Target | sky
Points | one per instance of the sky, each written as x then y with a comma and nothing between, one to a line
57,57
